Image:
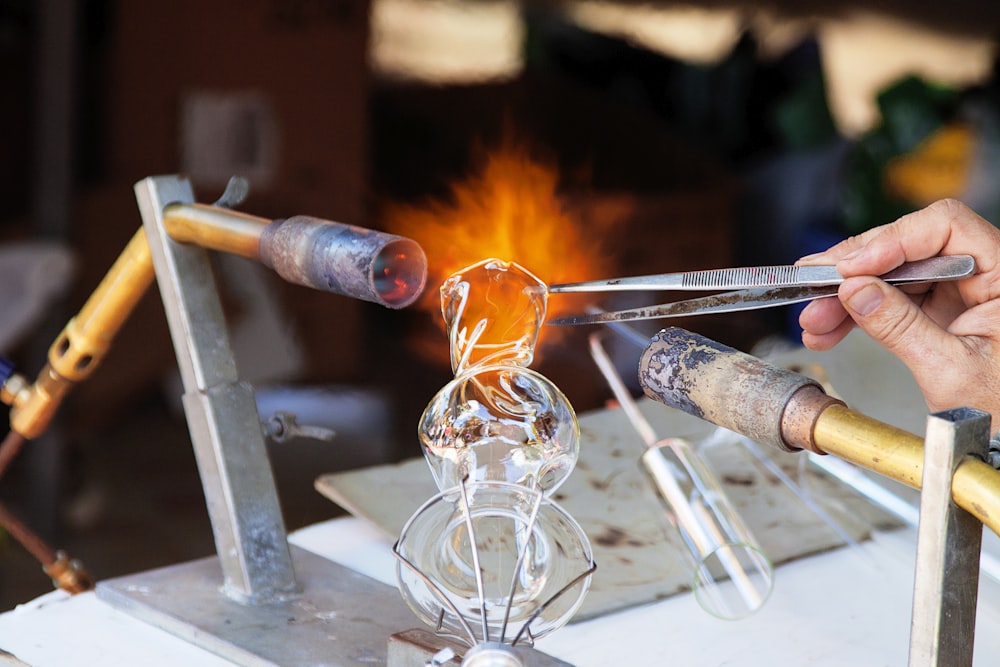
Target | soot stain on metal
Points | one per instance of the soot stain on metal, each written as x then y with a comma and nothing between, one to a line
668,368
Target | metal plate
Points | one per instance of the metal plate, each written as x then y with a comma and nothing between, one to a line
340,618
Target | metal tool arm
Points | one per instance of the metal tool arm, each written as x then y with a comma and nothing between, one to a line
777,407
345,259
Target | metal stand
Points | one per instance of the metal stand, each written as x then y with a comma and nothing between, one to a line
949,541
247,604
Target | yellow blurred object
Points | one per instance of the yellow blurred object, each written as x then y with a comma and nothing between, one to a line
938,168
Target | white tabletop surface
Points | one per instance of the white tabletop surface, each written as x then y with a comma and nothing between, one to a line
845,607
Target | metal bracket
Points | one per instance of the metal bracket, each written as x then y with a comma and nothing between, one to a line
221,413
247,604
949,542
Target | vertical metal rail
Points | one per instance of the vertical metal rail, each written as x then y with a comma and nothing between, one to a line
949,541
228,440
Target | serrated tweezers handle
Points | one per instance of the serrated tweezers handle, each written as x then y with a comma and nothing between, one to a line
950,267
760,276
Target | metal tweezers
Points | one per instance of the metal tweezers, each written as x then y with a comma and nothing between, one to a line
754,287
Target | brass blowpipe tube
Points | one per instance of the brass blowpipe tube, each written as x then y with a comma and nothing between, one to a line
775,406
899,455
345,259
353,261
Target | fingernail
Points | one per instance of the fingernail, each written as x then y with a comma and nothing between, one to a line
865,300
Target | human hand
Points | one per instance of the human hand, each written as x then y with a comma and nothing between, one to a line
947,334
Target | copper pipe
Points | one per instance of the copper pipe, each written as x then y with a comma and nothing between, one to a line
9,449
215,228
976,489
871,444
30,540
66,573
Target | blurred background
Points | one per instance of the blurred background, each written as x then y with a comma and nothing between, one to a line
642,137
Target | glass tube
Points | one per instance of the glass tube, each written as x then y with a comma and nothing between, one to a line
732,575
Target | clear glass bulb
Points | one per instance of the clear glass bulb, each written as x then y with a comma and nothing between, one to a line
491,552
497,420
484,560
500,423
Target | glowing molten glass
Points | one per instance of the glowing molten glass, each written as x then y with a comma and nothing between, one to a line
493,311
497,420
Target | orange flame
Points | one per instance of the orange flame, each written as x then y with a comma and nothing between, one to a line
508,209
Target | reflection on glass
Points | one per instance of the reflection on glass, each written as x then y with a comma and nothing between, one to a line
733,577
500,423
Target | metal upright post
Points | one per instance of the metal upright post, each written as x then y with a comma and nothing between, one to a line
228,439
277,604
949,541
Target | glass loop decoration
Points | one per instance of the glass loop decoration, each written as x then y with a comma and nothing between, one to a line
497,419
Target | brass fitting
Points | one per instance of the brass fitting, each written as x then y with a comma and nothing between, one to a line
84,341
69,574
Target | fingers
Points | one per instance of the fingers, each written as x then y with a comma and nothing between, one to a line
890,317
821,342
945,334
946,227
824,323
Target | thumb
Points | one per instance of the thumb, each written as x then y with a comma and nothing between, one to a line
895,322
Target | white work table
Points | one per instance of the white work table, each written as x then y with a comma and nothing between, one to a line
844,606
849,606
